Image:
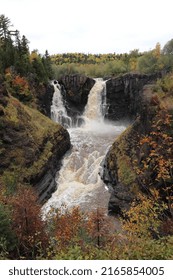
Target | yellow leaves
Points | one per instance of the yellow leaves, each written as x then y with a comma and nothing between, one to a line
159,158
142,218
133,64
33,56
157,51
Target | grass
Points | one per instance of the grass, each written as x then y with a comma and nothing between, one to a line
28,140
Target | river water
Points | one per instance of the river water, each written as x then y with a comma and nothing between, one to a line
78,181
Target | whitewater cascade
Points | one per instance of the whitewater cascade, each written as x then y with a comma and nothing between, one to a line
58,110
93,110
78,181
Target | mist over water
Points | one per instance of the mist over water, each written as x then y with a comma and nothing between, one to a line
78,181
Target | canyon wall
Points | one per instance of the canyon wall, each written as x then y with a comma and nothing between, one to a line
31,146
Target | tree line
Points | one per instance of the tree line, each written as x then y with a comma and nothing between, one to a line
112,64
16,56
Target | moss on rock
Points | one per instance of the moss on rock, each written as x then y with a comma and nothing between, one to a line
31,144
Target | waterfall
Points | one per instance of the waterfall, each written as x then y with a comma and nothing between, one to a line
96,108
58,110
78,181
93,110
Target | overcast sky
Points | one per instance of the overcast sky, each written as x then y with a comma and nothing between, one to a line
91,26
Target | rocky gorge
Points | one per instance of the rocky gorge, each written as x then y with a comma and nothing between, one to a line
32,146
129,100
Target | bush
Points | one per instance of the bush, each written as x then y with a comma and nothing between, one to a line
7,236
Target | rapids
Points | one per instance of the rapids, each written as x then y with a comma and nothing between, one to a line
78,181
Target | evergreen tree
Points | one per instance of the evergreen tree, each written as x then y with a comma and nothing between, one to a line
14,52
47,65
22,62
4,26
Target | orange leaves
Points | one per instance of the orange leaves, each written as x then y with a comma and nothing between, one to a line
99,228
20,82
73,228
67,225
96,224
145,139
156,147
19,87
163,169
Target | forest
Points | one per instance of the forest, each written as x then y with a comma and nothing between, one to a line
107,65
146,230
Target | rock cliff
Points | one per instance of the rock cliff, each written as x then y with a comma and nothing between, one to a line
43,98
31,146
75,89
124,95
132,164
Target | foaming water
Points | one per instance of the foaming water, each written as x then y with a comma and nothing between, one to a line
101,127
93,110
78,181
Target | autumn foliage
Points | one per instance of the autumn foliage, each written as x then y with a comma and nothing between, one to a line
146,231
26,224
156,166
71,234
66,226
20,83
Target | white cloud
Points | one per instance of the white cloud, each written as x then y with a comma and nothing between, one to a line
93,26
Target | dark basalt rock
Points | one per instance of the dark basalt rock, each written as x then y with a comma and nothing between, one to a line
44,95
120,199
75,90
124,96
128,99
45,181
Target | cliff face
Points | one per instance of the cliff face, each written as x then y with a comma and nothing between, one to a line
124,96
31,146
128,100
43,95
134,162
119,168
75,90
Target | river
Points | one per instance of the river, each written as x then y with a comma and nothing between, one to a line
78,181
